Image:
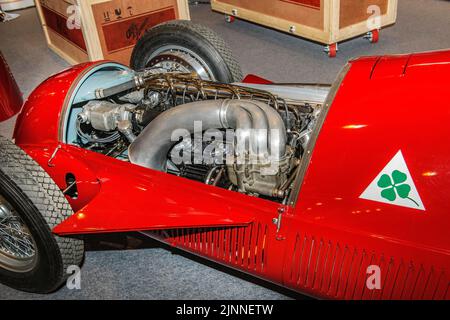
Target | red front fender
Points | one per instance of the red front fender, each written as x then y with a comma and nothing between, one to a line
10,95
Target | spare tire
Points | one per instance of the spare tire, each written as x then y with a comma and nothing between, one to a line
31,257
183,46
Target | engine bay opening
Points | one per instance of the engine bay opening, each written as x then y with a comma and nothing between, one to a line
241,137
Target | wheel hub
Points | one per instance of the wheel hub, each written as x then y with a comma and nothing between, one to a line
179,59
17,246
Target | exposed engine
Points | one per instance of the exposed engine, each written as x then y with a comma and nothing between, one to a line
231,136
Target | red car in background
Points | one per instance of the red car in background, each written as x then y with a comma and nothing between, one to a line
348,201
10,95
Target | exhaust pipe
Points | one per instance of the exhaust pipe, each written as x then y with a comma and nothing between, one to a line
256,124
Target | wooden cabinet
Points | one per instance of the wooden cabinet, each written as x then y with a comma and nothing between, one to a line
88,30
324,21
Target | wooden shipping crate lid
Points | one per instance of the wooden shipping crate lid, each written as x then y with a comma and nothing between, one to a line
120,23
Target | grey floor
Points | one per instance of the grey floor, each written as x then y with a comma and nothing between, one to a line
150,271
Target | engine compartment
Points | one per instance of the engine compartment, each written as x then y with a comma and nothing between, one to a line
242,137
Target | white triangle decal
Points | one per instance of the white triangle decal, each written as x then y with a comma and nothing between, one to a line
394,185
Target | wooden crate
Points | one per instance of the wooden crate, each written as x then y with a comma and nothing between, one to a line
109,28
324,21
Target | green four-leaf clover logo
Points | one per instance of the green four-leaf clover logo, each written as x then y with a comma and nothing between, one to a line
395,185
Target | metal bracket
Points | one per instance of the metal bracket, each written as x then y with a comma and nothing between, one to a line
70,186
277,221
49,162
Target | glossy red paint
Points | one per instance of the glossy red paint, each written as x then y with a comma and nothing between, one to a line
384,105
64,163
232,228
39,121
251,78
239,226
136,198
10,95
330,237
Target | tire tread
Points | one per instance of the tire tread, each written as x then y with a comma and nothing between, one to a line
45,196
209,35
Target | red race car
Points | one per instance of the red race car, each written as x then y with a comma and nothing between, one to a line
337,191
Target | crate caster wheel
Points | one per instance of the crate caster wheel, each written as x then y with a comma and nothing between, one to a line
373,36
229,19
331,50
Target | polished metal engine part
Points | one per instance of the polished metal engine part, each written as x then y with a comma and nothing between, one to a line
260,134
270,128
257,126
105,115
265,178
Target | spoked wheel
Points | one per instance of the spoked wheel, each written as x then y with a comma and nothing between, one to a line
32,258
174,58
182,46
17,245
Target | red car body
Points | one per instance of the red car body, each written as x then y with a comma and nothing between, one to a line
10,95
324,241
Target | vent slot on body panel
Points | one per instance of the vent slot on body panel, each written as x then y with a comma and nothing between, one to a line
242,247
338,271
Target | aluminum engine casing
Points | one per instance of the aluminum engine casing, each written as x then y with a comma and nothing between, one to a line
264,178
104,115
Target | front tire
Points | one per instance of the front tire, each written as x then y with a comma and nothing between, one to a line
32,259
183,46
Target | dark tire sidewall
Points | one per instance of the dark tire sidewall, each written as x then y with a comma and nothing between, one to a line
46,273
187,39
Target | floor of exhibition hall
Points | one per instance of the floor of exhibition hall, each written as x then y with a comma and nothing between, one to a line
147,269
